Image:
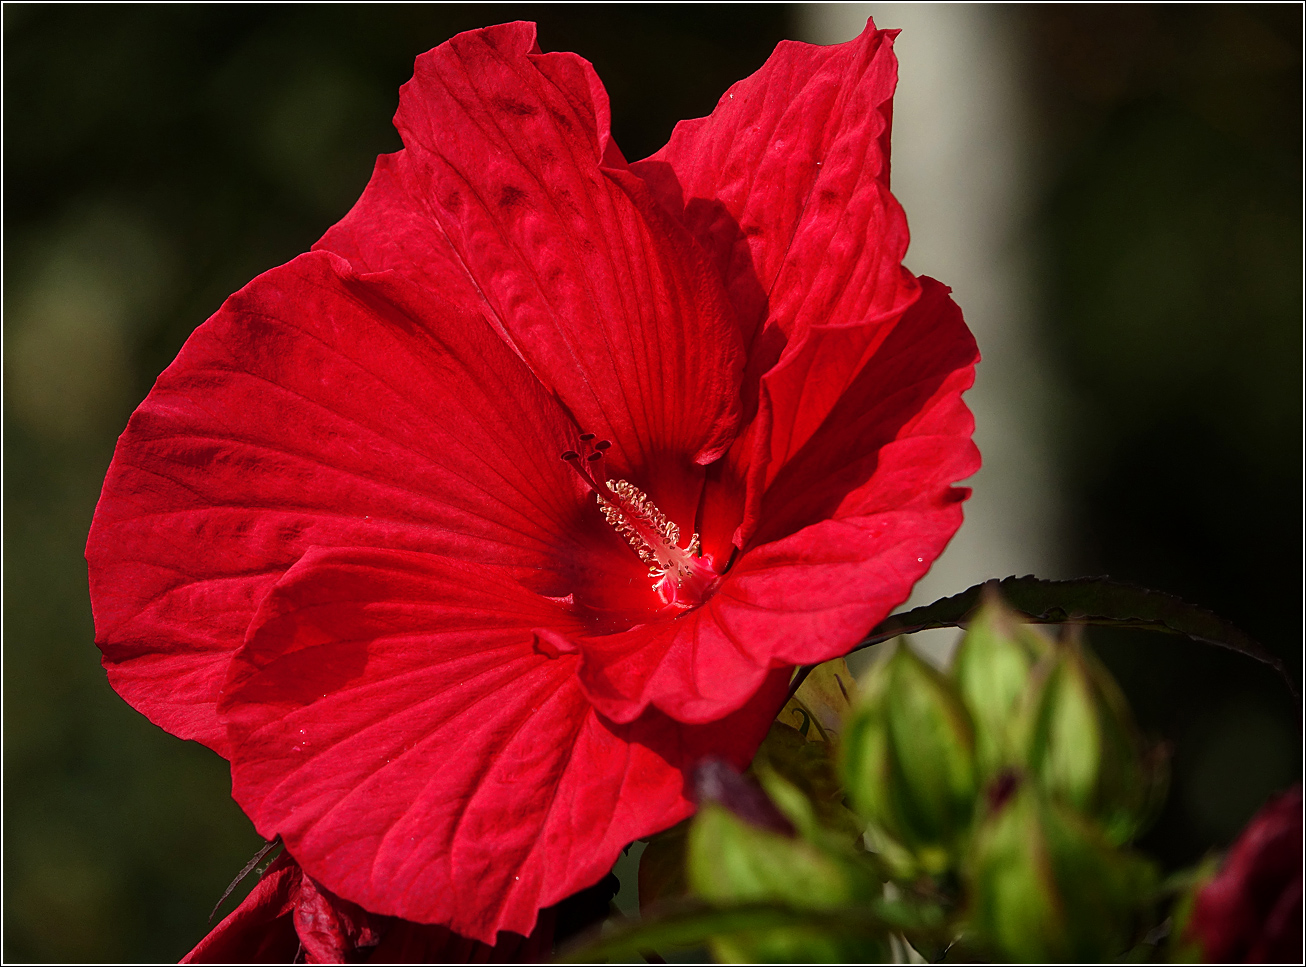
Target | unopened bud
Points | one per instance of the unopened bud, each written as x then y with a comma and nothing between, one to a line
1084,748
1248,908
731,859
909,758
992,671
1043,884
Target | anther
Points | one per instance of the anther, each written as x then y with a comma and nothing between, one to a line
596,455
602,444
586,437
570,455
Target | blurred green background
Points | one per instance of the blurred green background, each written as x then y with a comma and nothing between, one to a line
157,158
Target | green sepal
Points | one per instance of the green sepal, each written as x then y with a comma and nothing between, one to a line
992,669
909,761
1083,747
1045,884
730,861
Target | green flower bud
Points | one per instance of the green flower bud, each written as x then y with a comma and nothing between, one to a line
870,778
730,860
1043,883
909,759
992,671
864,760
1084,748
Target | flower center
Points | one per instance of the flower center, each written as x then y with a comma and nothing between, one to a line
680,576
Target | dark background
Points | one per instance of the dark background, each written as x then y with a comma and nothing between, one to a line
157,158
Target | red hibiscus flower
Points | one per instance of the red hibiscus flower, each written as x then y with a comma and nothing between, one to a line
1251,912
468,534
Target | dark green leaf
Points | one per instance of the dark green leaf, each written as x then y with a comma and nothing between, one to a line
1094,601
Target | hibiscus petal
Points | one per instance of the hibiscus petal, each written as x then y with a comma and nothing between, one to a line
897,437
261,930
332,930
316,407
393,721
511,196
785,184
853,521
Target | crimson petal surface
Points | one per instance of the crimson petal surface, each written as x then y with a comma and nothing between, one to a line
393,721
317,407
510,196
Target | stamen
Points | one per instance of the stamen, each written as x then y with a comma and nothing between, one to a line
681,577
